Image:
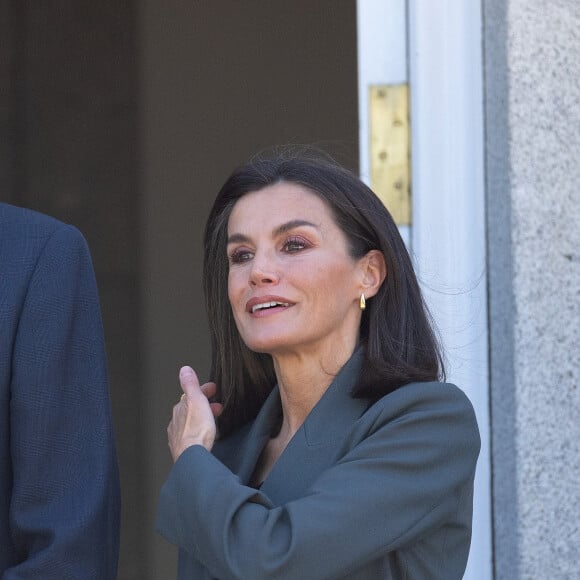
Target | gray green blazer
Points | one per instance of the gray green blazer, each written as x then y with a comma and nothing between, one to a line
361,491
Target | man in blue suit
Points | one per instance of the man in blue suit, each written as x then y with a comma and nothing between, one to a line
59,488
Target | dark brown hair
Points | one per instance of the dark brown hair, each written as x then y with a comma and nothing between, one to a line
396,332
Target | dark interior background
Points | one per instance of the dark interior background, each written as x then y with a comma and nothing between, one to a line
124,118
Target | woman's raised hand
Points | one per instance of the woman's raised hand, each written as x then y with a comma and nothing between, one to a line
193,421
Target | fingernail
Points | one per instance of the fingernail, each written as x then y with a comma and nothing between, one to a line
185,371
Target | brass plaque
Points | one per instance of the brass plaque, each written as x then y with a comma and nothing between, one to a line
390,149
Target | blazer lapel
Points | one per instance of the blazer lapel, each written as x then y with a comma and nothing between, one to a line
317,443
260,432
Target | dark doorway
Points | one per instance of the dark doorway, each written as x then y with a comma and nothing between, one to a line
124,118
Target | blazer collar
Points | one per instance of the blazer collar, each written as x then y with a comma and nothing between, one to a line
325,424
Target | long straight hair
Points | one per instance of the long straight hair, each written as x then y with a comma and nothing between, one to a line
396,331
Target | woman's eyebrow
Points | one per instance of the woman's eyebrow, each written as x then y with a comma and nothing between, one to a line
281,229
238,239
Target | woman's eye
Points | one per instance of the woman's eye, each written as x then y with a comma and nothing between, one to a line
294,245
240,255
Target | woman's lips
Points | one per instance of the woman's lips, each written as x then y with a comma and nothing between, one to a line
268,305
265,304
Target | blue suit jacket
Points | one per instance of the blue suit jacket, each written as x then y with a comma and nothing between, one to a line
59,494
361,491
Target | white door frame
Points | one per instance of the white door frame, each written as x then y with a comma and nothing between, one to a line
437,48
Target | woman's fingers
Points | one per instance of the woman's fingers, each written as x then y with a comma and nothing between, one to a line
189,381
193,421
209,389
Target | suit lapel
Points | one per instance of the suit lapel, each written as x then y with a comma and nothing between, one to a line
317,443
260,432
313,448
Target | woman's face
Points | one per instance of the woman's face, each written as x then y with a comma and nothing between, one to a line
292,283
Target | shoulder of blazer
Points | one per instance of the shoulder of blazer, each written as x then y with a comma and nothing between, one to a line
25,234
29,241
445,403
18,217
426,393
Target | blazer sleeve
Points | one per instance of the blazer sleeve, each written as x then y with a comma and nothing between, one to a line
64,511
406,477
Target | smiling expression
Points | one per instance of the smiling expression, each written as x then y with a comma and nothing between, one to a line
292,283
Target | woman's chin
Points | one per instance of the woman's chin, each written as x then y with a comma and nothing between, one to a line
269,345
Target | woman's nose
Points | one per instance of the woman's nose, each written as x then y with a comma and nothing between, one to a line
263,270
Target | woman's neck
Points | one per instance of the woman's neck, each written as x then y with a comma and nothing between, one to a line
303,378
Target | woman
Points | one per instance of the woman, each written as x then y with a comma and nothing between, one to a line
340,455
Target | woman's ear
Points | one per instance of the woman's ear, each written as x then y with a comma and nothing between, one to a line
374,272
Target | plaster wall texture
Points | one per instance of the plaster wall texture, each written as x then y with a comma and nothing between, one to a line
532,71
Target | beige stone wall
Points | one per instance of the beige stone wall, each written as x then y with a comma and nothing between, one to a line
533,150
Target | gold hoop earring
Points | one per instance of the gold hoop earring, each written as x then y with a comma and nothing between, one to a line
362,303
